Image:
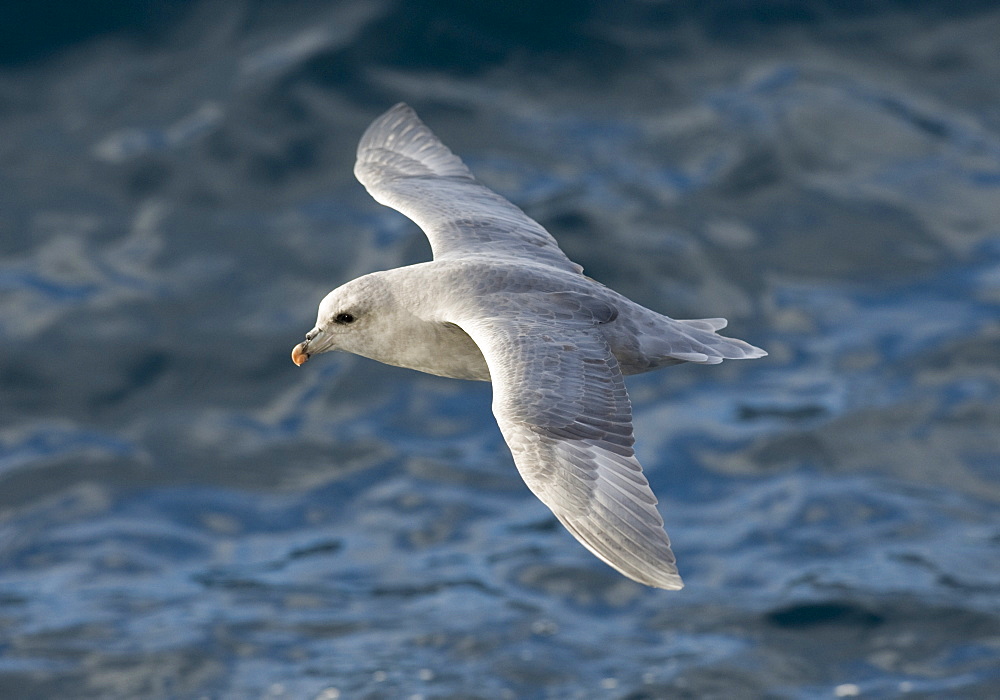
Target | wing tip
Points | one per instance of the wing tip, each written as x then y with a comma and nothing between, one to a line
398,143
398,110
665,576
670,582
654,569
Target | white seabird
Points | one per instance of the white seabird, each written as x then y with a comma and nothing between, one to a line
501,302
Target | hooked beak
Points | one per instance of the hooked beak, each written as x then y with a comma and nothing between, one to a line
300,354
306,349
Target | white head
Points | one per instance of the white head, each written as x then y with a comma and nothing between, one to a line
347,320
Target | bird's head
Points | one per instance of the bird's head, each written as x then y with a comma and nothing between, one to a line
345,320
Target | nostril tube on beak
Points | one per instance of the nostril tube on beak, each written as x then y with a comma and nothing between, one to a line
299,355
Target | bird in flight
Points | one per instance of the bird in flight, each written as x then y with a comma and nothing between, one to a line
500,302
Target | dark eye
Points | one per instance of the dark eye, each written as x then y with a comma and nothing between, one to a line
344,318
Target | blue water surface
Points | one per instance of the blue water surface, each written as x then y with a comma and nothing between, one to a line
186,514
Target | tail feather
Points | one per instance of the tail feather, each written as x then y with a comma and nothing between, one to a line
663,341
707,324
697,341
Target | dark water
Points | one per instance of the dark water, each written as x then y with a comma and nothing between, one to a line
185,514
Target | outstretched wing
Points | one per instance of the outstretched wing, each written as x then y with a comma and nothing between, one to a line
560,400
403,165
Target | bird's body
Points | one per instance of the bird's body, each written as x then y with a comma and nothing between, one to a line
500,302
418,328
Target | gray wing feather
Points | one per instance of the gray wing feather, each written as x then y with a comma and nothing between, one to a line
403,165
560,400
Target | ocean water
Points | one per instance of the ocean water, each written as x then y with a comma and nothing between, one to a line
186,514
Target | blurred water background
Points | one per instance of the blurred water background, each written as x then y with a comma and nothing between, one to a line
186,514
